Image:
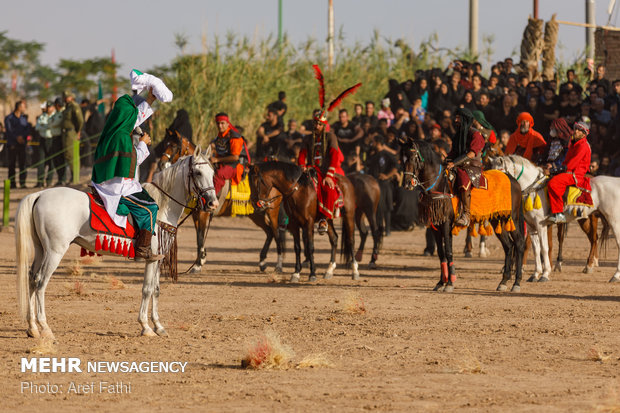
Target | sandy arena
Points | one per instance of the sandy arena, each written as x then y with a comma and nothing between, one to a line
387,342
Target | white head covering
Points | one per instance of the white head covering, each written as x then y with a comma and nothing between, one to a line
141,81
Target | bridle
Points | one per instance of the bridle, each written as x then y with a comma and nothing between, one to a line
198,192
415,181
181,149
268,203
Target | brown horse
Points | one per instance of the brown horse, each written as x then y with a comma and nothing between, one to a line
300,202
176,146
367,194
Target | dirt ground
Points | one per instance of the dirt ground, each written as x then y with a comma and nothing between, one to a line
552,347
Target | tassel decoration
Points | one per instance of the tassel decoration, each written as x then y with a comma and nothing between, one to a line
97,243
125,249
105,243
132,252
83,252
498,228
537,202
112,245
472,230
119,247
91,254
528,204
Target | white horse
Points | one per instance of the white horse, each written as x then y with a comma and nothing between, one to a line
53,219
605,196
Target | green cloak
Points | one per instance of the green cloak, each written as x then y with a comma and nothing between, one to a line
115,155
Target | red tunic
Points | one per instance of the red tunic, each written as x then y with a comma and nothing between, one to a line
475,144
577,163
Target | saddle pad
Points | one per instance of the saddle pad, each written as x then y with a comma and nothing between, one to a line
101,222
494,202
577,197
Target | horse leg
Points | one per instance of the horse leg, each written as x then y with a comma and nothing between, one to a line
534,238
333,242
528,245
348,230
562,230
148,288
443,263
447,236
200,223
308,234
297,247
484,251
33,329
550,242
544,254
49,263
159,329
504,238
363,229
468,246
276,218
590,227
376,237
262,264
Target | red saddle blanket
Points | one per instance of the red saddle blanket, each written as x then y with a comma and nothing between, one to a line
101,222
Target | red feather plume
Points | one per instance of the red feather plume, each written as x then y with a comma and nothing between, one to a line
343,95
319,77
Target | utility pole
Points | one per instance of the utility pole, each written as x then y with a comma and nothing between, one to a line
473,27
590,20
280,24
536,9
330,34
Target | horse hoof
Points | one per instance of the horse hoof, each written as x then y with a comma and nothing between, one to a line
449,288
355,276
47,334
196,269
438,287
532,279
468,254
372,265
588,270
33,332
148,332
278,270
558,267
328,275
614,279
312,279
262,266
544,279
516,289
295,278
502,287
161,332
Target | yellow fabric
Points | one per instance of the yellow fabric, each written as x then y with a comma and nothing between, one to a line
537,202
495,202
240,196
573,194
529,205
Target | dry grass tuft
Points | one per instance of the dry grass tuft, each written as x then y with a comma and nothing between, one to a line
92,260
469,364
353,304
313,361
267,353
597,355
43,346
78,288
76,269
115,283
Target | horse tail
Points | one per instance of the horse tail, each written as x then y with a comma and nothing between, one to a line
605,233
24,236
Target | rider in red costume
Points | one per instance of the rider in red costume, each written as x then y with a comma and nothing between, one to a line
572,172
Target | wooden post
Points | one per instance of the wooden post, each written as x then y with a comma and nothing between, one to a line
76,162
6,203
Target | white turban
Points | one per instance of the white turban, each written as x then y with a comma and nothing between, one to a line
141,81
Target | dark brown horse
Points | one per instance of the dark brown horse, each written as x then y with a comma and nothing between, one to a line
423,168
176,146
300,202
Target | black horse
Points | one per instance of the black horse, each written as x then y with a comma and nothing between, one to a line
423,168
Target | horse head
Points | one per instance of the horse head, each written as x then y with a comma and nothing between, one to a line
413,162
201,179
175,146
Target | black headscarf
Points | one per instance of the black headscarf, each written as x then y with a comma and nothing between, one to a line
181,124
459,145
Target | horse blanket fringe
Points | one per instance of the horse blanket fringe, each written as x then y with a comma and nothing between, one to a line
240,196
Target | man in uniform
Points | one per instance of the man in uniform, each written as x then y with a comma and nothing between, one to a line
71,126
466,154
115,172
228,146
320,151
44,129
572,172
17,130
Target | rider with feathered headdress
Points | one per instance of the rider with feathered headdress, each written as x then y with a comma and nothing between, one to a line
320,151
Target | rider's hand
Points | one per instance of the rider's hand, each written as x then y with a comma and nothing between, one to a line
329,182
450,165
146,139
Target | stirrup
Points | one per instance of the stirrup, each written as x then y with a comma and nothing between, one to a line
322,229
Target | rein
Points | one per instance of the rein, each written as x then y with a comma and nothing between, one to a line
266,203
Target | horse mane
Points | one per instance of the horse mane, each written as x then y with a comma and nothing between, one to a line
291,171
519,160
165,179
427,152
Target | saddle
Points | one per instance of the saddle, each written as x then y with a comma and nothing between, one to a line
315,182
110,237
